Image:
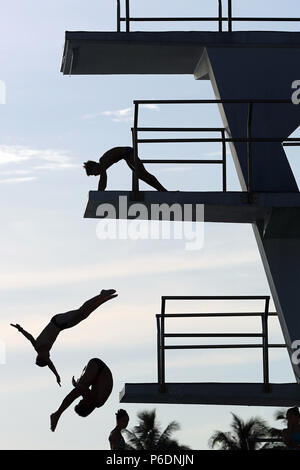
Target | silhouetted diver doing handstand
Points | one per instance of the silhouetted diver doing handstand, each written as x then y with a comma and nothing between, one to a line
94,386
114,155
44,342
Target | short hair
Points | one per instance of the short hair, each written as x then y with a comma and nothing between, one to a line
89,167
41,362
294,410
84,410
121,414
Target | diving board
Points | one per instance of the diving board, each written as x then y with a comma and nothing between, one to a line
233,394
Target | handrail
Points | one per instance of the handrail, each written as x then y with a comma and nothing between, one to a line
220,19
264,345
249,140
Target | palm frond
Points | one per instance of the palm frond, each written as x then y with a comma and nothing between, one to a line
167,433
224,440
280,415
133,440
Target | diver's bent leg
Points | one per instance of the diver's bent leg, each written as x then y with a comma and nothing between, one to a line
142,173
150,179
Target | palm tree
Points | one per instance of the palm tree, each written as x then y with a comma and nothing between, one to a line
147,435
243,435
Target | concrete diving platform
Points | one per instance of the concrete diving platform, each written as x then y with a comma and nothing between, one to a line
226,207
234,394
159,52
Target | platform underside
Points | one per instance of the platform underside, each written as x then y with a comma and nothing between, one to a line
234,394
169,52
227,207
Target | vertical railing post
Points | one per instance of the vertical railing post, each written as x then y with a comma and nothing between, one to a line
224,165
158,351
220,16
265,333
127,17
118,16
135,179
249,151
230,15
162,387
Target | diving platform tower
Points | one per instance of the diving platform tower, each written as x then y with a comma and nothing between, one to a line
251,73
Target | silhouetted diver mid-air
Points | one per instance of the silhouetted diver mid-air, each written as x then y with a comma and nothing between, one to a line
44,342
94,386
114,155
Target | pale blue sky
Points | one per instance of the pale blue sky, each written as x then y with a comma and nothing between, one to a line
51,259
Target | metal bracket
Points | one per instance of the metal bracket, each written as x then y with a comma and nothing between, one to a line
136,196
162,388
267,388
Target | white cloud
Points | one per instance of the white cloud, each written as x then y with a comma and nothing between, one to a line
34,159
120,115
57,166
15,154
18,180
152,106
15,172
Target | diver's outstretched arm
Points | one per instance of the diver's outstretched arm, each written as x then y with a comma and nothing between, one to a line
103,181
25,333
53,369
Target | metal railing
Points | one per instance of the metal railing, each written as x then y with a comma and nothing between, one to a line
292,141
264,334
220,19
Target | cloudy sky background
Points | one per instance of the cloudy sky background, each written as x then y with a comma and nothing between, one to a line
52,260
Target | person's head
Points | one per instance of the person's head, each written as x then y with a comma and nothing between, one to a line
122,419
293,415
84,408
42,359
91,168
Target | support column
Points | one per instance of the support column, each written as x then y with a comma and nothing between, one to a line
264,73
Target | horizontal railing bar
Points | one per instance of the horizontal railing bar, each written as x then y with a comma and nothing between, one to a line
199,315
214,140
215,297
213,335
179,129
291,144
211,101
253,18
223,346
183,161
167,18
209,18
